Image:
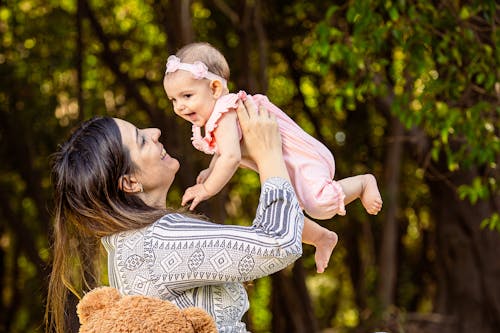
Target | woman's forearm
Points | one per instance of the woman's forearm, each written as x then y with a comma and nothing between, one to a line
272,165
206,253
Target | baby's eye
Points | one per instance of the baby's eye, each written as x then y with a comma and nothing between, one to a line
187,95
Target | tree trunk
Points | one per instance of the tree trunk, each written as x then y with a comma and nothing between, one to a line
469,288
246,80
262,43
291,307
183,21
389,241
3,280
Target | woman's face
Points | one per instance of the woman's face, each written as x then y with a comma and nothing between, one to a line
156,168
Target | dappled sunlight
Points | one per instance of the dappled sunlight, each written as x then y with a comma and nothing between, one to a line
67,110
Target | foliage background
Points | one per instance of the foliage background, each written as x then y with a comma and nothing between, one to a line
407,90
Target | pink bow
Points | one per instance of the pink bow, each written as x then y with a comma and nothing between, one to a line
173,64
199,70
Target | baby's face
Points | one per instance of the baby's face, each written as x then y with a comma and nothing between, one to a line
193,99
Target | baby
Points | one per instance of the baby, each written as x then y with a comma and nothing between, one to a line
196,83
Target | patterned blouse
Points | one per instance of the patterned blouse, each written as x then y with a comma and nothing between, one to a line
191,262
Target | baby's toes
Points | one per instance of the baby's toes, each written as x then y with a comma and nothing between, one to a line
375,209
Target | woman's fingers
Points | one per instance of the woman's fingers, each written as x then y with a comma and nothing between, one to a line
266,114
248,111
250,107
242,113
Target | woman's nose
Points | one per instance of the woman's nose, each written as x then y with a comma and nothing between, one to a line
156,134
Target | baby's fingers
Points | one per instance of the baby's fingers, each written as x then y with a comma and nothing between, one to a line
195,203
188,196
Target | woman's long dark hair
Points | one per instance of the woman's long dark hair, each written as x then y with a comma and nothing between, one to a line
89,204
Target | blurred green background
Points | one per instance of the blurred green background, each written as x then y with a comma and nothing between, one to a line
407,90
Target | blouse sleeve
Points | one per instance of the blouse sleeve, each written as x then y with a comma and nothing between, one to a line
183,253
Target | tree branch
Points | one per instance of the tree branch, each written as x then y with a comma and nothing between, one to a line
226,10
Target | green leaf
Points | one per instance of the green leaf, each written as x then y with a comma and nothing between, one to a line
464,13
394,14
331,10
492,222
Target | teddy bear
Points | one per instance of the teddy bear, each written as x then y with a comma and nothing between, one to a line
105,310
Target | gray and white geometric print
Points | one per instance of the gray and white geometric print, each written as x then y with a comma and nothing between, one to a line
140,285
171,262
196,259
221,260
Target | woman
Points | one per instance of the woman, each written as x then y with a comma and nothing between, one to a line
111,181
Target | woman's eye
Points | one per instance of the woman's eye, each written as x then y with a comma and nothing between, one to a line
143,140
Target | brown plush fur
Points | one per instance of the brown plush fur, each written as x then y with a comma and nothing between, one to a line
104,310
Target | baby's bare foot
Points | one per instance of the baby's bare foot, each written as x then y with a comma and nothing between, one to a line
370,198
324,248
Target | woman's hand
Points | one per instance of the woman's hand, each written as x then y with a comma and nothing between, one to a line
262,139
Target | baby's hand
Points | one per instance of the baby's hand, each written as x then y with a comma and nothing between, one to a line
203,176
195,194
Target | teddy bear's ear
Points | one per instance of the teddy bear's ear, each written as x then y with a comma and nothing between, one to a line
96,300
201,321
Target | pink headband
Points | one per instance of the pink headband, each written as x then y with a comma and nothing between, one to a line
198,69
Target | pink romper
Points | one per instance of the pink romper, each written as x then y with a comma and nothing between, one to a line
310,164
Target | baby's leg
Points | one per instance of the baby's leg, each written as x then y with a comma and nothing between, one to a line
364,187
323,239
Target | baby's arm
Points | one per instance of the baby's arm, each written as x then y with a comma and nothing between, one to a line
204,174
225,165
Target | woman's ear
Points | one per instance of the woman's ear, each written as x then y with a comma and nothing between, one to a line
129,184
217,88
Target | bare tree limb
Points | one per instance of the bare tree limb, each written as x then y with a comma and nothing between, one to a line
231,14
